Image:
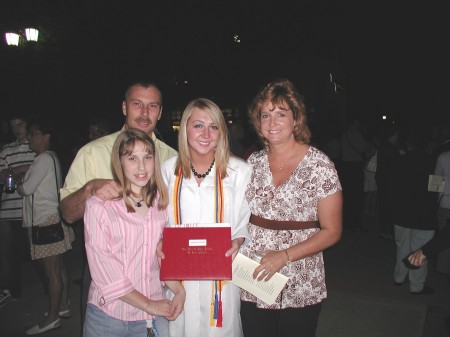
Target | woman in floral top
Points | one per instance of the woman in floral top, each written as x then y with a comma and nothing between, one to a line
296,202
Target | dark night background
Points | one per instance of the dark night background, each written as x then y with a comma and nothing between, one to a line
389,57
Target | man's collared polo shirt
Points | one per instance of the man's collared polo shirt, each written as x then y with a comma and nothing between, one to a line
93,161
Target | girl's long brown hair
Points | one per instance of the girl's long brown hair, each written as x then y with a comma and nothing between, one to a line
124,145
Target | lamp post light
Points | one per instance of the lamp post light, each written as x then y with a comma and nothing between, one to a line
31,34
14,39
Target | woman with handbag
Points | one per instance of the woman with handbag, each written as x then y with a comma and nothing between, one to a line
49,237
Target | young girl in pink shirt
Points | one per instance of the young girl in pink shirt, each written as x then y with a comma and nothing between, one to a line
126,294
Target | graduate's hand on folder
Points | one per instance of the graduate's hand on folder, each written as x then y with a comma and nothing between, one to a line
159,251
235,245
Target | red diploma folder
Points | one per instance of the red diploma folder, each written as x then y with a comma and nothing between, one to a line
196,253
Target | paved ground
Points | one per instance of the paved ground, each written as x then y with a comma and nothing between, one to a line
362,299
359,277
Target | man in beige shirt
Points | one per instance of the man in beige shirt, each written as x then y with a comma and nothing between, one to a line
90,173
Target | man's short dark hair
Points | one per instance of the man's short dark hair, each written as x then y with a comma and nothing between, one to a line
145,84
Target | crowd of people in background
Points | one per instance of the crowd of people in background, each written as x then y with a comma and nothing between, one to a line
361,173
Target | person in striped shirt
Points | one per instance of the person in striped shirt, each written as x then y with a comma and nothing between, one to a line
15,159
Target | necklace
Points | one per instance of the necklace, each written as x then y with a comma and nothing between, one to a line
136,203
201,176
281,165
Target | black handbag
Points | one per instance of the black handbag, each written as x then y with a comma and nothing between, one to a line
47,234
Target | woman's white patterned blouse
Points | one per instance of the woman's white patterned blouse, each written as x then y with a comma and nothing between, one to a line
296,199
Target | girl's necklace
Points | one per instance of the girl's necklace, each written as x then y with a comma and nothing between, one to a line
136,203
201,176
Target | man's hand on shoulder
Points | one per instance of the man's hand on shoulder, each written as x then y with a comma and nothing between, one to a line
72,206
104,189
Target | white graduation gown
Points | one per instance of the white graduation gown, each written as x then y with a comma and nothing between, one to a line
197,206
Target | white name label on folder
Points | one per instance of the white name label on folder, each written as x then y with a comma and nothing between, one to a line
197,243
